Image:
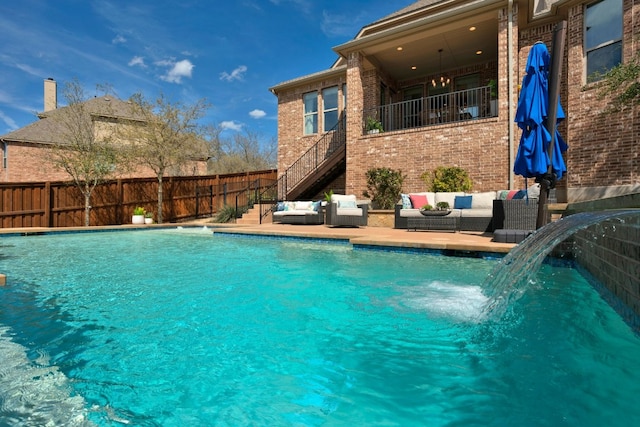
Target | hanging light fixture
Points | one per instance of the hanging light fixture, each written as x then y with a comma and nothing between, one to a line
442,81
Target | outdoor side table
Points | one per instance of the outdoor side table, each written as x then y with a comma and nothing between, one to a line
434,222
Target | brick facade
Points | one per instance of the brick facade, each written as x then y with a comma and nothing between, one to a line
599,155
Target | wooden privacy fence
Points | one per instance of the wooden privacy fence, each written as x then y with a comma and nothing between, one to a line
61,204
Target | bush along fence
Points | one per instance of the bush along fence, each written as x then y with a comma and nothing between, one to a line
61,204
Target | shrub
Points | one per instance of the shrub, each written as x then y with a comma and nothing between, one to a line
226,214
443,178
139,210
383,187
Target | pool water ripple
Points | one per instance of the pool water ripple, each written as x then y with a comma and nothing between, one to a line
178,328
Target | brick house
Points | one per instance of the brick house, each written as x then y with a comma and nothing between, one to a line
25,150
443,78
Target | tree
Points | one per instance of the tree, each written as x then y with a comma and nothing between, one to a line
243,152
82,149
622,84
166,137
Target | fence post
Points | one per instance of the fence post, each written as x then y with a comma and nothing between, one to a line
119,208
47,205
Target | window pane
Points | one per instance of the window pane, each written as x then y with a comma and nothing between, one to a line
330,120
311,124
330,98
603,22
310,102
602,60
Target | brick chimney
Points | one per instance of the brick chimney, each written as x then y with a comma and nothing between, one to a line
50,95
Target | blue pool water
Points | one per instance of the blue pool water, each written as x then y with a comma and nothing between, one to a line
186,328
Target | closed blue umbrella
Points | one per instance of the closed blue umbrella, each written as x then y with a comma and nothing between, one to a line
532,159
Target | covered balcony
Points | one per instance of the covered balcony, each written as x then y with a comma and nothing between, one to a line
457,106
429,66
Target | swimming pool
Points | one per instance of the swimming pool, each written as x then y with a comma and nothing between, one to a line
182,328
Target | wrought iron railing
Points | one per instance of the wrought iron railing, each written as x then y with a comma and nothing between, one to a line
307,164
450,107
250,195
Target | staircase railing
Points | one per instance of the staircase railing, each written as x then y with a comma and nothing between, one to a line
307,164
248,196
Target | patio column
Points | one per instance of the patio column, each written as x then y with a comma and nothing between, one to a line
355,108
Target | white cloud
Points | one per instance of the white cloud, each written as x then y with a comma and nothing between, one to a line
338,25
257,114
118,39
178,70
8,121
231,125
137,60
237,74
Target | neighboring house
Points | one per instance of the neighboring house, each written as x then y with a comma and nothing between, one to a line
25,151
442,77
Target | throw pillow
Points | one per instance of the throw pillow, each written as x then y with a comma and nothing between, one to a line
462,202
280,207
520,195
406,201
347,204
316,205
418,200
511,194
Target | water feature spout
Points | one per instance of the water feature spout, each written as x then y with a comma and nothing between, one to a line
511,278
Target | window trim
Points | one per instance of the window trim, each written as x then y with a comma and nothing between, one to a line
330,110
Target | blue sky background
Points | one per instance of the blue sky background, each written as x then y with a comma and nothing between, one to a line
227,52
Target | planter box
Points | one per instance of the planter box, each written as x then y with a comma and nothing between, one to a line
381,218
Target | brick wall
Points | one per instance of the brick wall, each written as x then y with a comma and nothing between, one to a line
610,251
292,142
603,147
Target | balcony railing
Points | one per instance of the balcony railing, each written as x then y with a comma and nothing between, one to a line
462,105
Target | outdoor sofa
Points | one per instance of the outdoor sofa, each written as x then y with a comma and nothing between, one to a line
474,210
299,212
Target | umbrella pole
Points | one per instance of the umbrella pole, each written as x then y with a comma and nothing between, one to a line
548,181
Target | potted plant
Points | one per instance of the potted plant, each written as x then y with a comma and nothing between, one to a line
148,218
373,125
138,215
442,206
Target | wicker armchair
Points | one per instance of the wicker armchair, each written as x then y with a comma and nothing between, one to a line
346,216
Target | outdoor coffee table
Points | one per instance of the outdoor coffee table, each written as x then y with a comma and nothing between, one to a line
434,220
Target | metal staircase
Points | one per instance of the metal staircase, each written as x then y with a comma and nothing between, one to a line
308,175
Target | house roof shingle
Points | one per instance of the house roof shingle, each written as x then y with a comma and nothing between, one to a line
48,130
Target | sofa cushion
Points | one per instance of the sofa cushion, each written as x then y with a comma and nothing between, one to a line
476,213
349,211
304,206
483,200
462,202
418,200
448,197
339,197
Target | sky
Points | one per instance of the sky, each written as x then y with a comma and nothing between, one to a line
227,52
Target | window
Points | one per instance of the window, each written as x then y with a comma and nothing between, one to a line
310,113
330,107
603,37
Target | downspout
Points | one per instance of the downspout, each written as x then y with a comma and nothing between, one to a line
510,67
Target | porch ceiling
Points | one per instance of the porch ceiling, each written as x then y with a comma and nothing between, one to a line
420,48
